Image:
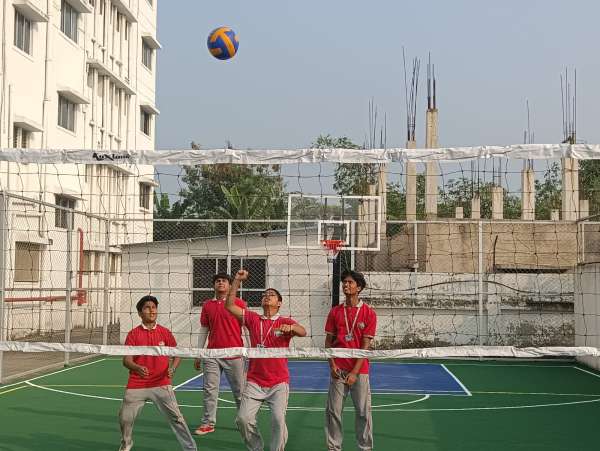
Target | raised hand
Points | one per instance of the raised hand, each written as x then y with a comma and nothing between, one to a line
242,275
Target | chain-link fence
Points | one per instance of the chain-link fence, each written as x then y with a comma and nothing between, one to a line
75,278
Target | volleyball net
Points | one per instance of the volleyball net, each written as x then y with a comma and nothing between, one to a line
467,252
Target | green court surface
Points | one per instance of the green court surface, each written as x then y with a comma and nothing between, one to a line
508,405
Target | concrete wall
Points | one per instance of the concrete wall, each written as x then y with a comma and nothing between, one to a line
165,269
587,310
414,309
441,309
453,246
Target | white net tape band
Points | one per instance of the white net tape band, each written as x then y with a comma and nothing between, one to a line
317,353
274,157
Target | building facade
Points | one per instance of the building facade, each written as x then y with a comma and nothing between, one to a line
74,74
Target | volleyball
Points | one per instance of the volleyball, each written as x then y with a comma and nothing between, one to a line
223,43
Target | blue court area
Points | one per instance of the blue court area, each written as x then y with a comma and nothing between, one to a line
386,377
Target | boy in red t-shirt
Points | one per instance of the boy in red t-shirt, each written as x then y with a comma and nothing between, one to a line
222,331
267,379
350,325
150,378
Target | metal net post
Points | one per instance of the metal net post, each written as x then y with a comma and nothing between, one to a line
3,249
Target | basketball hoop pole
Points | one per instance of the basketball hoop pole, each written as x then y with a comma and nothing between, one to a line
333,247
335,280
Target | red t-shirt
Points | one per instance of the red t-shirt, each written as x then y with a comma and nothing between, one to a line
225,330
267,372
158,366
364,326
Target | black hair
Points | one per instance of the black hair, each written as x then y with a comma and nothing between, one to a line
148,298
356,276
221,275
279,297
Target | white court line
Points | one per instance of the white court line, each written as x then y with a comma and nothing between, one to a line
424,398
516,365
457,380
455,409
532,393
320,409
189,380
83,386
64,392
586,371
51,374
12,389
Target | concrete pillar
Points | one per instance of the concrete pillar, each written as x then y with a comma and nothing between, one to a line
459,213
431,167
528,195
554,215
570,189
584,208
497,202
411,186
382,193
476,207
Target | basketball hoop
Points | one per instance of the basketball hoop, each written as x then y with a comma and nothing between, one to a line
333,248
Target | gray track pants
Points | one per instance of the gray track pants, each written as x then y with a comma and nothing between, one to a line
277,399
164,399
363,423
212,369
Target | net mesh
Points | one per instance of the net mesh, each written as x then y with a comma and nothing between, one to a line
467,252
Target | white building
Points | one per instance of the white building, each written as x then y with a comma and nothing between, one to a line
179,272
75,74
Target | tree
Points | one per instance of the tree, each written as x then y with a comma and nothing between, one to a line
548,192
396,200
459,192
589,183
221,191
351,179
208,187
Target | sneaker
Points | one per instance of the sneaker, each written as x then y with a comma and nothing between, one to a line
204,429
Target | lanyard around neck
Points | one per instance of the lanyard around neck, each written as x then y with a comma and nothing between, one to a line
263,339
350,331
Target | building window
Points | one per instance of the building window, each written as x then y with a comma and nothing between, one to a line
66,113
63,218
252,289
145,193
27,262
20,138
114,263
147,55
22,32
68,20
145,122
92,261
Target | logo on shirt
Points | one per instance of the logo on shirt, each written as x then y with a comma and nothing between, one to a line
161,343
361,325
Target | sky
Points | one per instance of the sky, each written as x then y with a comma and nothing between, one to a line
309,67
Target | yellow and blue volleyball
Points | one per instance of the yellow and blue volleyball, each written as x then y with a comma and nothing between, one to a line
223,43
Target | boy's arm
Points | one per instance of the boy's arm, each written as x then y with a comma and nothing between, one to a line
329,340
230,304
132,366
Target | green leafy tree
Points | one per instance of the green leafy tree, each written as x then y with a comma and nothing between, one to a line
221,191
396,199
459,192
589,183
351,179
548,192
211,189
